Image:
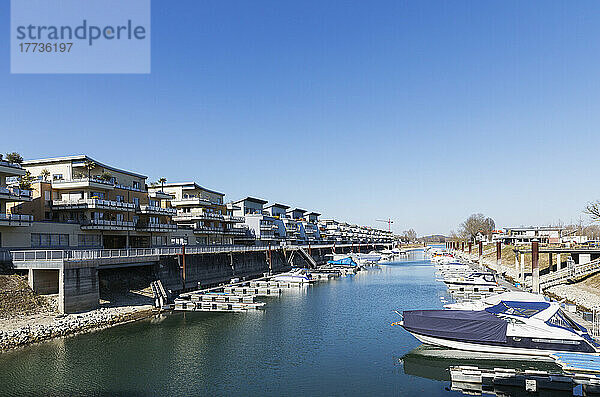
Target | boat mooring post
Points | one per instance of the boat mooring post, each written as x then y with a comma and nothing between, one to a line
535,269
470,248
183,266
499,257
480,251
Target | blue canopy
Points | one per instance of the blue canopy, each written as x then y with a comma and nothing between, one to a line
464,325
518,308
345,261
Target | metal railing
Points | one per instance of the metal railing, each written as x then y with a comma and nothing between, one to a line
95,203
157,210
15,217
89,254
96,180
102,222
14,191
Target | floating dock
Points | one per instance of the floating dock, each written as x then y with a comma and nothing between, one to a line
241,296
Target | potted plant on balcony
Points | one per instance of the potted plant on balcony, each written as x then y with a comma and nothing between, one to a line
45,174
25,181
89,166
162,182
106,176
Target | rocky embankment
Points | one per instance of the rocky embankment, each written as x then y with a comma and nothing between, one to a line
28,318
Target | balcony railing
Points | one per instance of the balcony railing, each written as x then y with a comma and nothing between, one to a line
236,230
151,209
233,218
59,182
15,193
94,203
198,215
157,227
208,229
16,218
106,224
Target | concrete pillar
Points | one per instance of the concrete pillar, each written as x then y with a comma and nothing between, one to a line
78,289
499,257
522,267
43,281
584,258
535,270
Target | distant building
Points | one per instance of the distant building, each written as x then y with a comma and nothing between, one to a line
524,235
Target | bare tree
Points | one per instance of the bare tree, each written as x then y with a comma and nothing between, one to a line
476,223
409,235
593,210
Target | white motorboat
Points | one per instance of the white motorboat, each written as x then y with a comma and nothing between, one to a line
294,276
492,300
511,327
473,279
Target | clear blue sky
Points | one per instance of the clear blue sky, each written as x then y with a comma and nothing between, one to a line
423,111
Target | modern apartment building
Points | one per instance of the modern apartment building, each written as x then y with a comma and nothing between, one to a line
10,216
278,212
80,202
294,227
203,211
260,224
311,227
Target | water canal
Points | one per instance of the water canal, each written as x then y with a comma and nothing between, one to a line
332,338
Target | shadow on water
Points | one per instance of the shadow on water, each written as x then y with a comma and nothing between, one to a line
434,363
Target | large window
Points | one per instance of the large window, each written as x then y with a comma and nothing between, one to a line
89,240
49,240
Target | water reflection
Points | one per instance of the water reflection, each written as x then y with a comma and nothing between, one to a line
434,363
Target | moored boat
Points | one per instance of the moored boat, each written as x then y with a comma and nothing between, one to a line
511,327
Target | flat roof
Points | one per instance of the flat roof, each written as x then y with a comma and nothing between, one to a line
193,185
535,228
313,213
253,199
282,206
80,157
296,209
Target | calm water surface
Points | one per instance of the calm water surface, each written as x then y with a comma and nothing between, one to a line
332,338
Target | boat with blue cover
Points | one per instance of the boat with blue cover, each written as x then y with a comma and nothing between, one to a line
511,327
348,262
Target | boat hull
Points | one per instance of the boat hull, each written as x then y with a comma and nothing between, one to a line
484,348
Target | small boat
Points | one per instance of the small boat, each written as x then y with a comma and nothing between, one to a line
473,279
343,262
492,300
511,327
295,276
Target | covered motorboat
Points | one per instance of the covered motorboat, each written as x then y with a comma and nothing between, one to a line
345,262
512,327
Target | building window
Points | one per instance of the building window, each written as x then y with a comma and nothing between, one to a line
89,240
47,195
57,177
49,240
136,185
136,201
120,198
